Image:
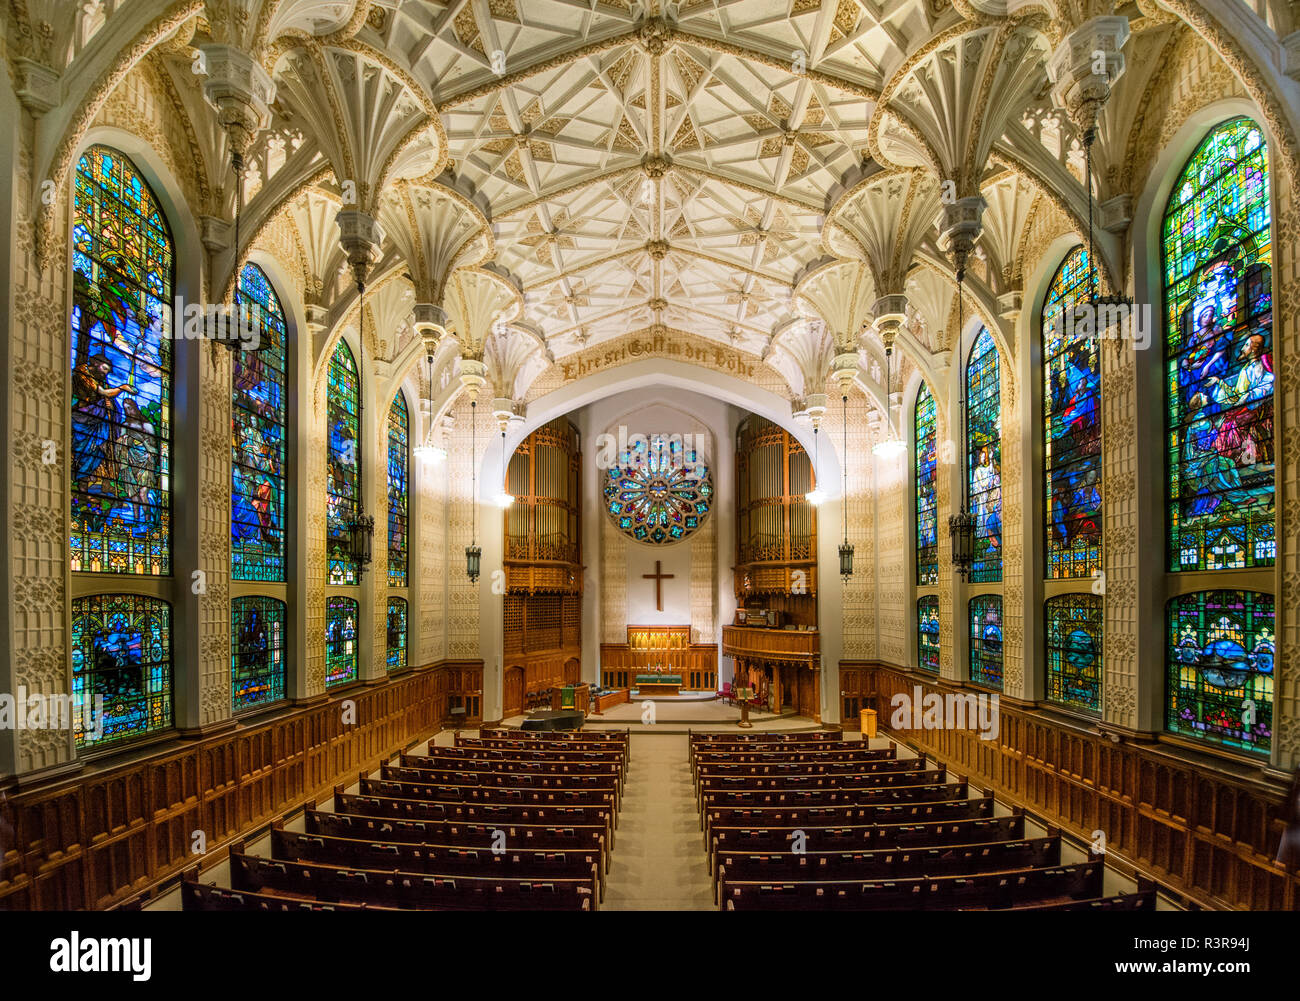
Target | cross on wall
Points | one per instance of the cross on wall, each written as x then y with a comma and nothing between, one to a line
659,577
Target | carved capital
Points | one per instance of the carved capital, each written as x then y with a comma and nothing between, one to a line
960,224
360,236
36,85
240,90
1085,66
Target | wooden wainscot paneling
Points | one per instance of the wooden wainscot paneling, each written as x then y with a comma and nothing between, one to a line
1208,826
125,822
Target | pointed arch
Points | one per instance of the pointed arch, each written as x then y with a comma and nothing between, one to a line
399,472
984,455
343,462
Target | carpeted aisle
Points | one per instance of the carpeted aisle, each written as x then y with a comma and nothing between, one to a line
659,861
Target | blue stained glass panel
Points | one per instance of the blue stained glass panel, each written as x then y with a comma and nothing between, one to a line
986,640
398,499
396,634
122,275
342,656
984,456
927,524
1074,650
658,494
343,463
1220,678
257,664
257,418
927,632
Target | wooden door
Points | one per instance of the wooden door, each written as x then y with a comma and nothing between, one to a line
512,692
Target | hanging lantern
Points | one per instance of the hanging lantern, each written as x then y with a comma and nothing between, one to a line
473,554
473,560
846,547
846,560
361,540
961,530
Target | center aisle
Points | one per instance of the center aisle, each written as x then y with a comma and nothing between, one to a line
658,859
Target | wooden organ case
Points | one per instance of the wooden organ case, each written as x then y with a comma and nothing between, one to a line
542,620
774,641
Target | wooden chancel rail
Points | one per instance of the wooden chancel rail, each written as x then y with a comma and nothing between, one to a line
667,646
92,839
1205,825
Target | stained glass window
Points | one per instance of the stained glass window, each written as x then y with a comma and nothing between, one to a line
1074,650
341,654
1071,428
984,456
122,274
927,524
927,632
396,634
1218,325
986,640
398,471
257,665
343,488
1220,681
659,492
257,419
121,668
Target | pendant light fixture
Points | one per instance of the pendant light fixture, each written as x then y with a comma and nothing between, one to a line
427,449
361,528
846,547
505,498
961,526
891,446
816,495
473,554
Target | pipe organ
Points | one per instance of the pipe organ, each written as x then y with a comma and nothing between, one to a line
543,565
774,641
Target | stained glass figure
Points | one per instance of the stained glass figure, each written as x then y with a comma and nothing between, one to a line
1071,427
986,640
257,418
927,524
398,472
1219,355
121,668
396,634
659,493
341,651
122,275
1074,650
1220,680
343,463
927,632
257,664
984,456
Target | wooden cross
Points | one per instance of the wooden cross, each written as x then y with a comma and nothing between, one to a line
659,578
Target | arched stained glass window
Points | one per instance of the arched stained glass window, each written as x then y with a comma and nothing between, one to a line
122,276
343,486
986,640
927,632
396,634
341,652
1071,428
1220,683
121,668
1074,650
257,418
660,492
927,525
984,456
257,664
1219,355
398,472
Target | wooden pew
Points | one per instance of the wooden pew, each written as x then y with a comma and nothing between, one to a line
434,792
927,793
887,863
589,837
760,816
504,780
983,891
512,862
720,769
853,782
196,896
429,771
407,890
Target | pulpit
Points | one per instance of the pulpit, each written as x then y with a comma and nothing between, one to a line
743,695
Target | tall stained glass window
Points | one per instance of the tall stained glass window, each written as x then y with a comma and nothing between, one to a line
257,420
986,640
343,486
398,472
341,652
396,634
1220,682
257,664
121,668
122,275
1071,428
984,456
927,524
659,493
927,632
1218,324
1074,650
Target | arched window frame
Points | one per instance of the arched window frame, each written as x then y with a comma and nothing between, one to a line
983,375
259,631
398,492
342,640
397,633
344,430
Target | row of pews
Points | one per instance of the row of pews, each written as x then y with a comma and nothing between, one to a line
808,821
506,820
